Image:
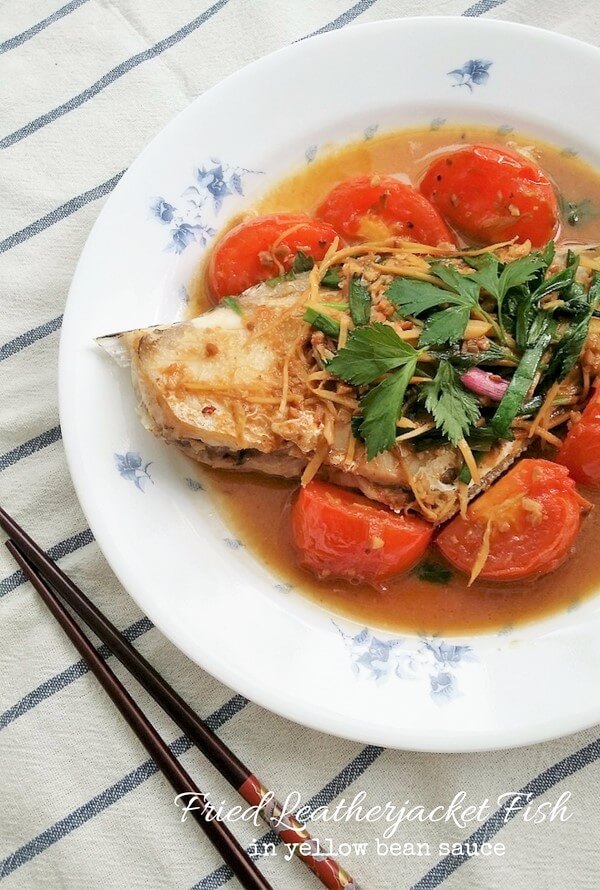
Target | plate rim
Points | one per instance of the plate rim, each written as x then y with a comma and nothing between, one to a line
418,740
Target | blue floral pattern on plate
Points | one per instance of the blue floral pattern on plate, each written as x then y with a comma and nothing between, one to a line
475,72
188,221
379,660
131,467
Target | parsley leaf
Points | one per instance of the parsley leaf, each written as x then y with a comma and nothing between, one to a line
413,297
498,280
322,322
453,408
381,408
521,271
360,302
332,278
487,272
447,326
371,350
302,262
460,284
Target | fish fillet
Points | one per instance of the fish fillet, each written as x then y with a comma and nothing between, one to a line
242,391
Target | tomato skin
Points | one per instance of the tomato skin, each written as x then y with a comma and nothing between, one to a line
492,194
525,545
241,258
334,531
362,211
580,451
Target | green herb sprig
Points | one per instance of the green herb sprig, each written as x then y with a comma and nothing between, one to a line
498,279
454,409
454,299
371,352
535,340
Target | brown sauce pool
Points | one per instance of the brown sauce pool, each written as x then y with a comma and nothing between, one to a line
257,507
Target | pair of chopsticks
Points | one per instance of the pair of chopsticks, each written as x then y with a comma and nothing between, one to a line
55,587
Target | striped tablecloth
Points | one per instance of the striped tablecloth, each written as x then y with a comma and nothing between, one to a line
82,88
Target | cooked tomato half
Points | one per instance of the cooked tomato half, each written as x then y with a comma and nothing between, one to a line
264,248
526,523
371,208
580,451
491,194
341,534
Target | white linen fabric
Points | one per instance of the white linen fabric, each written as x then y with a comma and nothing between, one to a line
82,88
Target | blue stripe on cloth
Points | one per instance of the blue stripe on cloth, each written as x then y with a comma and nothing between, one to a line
29,337
59,681
339,783
542,783
112,75
18,39
23,340
483,6
57,551
112,794
344,19
59,213
28,448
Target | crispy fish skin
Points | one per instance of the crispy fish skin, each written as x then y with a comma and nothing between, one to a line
233,391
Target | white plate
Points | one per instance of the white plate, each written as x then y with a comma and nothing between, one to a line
161,534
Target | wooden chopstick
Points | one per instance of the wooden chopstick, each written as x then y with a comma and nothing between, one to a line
209,743
230,850
248,785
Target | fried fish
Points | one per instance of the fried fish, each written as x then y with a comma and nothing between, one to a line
244,387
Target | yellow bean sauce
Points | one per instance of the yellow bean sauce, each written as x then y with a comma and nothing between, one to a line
257,507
